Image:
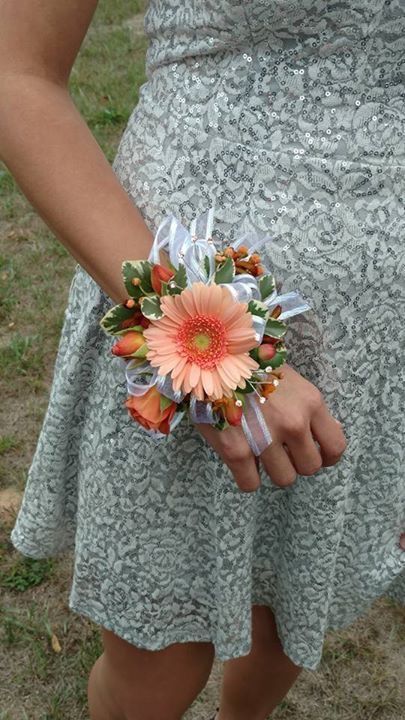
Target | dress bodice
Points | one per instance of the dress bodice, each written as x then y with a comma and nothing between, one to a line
301,76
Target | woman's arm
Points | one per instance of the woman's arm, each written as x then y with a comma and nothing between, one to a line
63,172
47,146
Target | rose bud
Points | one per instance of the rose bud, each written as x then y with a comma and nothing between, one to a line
266,352
276,311
128,344
232,412
255,258
267,389
134,319
271,340
147,411
158,275
130,303
242,251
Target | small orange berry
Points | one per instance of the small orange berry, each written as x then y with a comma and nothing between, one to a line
242,251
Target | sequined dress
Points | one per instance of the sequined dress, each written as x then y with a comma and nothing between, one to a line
290,117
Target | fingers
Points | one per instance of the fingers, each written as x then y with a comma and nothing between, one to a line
329,433
244,470
232,446
278,465
304,452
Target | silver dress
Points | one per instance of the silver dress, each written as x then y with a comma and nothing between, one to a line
289,117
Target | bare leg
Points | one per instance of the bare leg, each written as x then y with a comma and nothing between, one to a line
253,685
130,683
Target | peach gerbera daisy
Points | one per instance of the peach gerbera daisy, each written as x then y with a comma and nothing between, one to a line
203,341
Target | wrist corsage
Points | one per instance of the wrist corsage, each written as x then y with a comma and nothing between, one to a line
204,335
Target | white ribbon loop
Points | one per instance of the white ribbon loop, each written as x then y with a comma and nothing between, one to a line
255,427
292,303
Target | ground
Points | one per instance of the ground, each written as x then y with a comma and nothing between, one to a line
46,651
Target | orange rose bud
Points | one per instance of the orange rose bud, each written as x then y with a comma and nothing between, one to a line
128,344
255,258
146,410
130,303
267,389
136,281
242,251
276,311
260,269
266,352
134,319
229,252
232,412
271,340
158,275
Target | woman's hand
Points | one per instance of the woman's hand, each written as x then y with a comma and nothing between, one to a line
298,419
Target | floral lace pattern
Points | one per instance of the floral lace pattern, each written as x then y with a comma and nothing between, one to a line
290,118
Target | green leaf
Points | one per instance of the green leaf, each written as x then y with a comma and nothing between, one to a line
112,321
151,307
140,269
207,266
165,402
256,307
275,328
180,280
248,389
225,273
180,277
141,352
267,285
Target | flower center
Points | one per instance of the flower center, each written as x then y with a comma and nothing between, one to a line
203,340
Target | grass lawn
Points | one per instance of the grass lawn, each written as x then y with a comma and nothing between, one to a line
46,651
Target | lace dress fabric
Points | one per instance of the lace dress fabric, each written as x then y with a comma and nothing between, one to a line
289,117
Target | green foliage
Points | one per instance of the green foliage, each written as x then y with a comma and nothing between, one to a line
258,308
112,321
141,270
180,277
267,285
8,443
151,307
225,272
165,402
26,573
22,356
275,328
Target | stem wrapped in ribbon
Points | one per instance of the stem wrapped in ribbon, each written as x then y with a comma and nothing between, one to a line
204,335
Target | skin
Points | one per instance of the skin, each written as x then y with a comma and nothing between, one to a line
305,436
57,163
